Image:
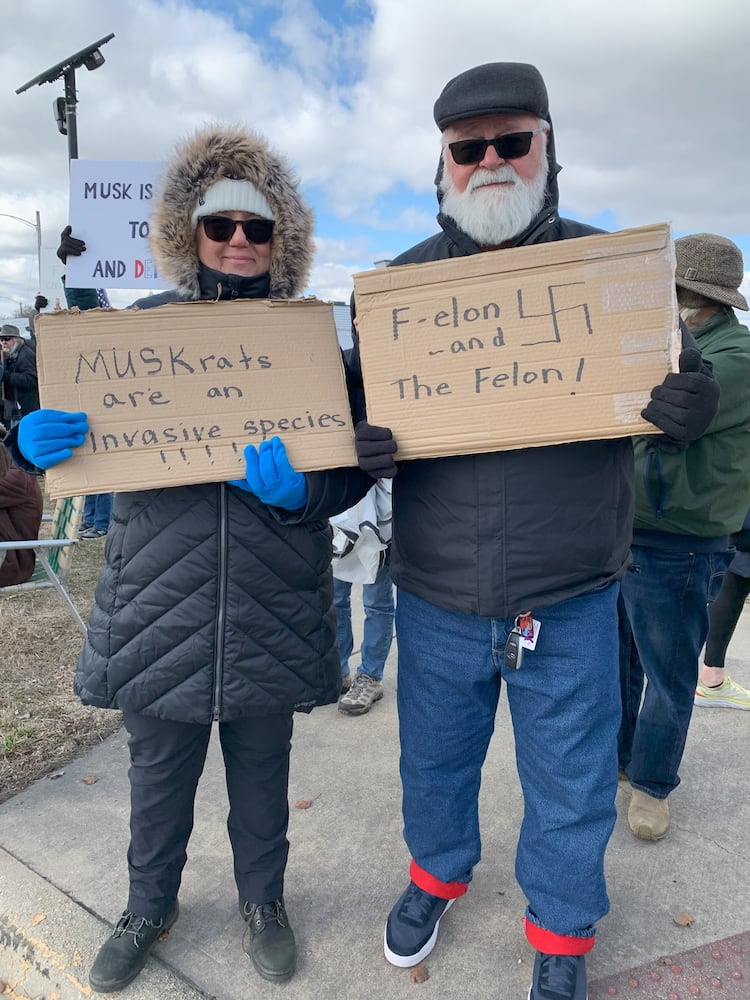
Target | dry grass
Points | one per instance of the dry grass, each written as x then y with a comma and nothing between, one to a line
42,723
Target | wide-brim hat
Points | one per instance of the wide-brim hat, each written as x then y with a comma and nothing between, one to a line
712,266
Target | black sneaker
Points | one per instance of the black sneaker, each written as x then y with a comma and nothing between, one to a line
269,940
93,532
559,977
123,955
412,926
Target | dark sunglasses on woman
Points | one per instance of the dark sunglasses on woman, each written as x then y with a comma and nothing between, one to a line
220,229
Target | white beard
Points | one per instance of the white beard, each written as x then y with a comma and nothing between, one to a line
492,215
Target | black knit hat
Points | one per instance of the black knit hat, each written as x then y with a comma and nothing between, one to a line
492,89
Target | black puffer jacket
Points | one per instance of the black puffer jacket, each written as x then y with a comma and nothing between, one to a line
501,533
212,605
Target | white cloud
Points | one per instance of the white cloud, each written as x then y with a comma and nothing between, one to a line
648,101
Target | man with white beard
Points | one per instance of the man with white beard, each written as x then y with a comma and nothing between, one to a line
492,546
494,202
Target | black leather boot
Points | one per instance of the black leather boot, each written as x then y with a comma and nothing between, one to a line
269,940
123,955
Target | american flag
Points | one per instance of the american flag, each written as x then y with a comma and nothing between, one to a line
103,298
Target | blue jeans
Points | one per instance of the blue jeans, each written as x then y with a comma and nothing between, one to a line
663,625
97,510
565,709
377,599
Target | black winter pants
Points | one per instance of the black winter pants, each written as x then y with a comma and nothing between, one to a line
166,761
723,614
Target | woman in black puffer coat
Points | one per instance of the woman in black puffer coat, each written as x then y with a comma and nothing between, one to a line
213,605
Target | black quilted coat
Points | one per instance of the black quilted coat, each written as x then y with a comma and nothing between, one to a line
211,605
504,532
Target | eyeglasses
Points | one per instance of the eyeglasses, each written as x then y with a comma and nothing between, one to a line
511,146
220,229
7,340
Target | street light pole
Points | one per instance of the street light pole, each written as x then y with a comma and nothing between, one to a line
71,120
34,225
39,246
90,57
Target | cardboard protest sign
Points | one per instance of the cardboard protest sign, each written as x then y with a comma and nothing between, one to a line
174,394
109,208
528,346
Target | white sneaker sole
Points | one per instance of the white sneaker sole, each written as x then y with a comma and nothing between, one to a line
407,961
718,703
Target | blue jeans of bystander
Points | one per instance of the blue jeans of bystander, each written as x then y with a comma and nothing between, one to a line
97,510
565,709
663,625
377,599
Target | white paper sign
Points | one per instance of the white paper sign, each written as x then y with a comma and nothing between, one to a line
110,205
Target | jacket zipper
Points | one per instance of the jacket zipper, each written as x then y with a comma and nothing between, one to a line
221,600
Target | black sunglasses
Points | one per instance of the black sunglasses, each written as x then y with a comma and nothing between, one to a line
512,146
220,229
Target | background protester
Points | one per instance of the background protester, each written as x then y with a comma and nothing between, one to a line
361,555
688,501
19,378
97,515
21,507
716,689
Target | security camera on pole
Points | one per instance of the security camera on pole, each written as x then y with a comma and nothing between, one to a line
65,107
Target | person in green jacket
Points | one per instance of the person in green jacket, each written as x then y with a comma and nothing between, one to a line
688,501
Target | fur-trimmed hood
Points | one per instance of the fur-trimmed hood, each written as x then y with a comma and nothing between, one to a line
229,151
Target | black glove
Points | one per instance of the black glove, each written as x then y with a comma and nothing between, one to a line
40,302
375,448
686,402
70,246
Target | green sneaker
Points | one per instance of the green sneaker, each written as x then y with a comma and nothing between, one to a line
729,694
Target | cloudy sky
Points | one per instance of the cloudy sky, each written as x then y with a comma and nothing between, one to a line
649,101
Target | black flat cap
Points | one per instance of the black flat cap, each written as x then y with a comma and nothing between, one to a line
492,89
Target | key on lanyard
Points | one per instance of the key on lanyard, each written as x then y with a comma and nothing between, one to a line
523,628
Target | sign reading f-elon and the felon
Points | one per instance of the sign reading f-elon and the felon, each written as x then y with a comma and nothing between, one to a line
174,394
529,346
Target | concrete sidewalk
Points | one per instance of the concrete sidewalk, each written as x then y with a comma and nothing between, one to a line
63,875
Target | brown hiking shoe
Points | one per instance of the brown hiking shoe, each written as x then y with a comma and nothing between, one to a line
648,817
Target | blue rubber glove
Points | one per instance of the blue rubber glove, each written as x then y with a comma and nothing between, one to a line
48,437
270,476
